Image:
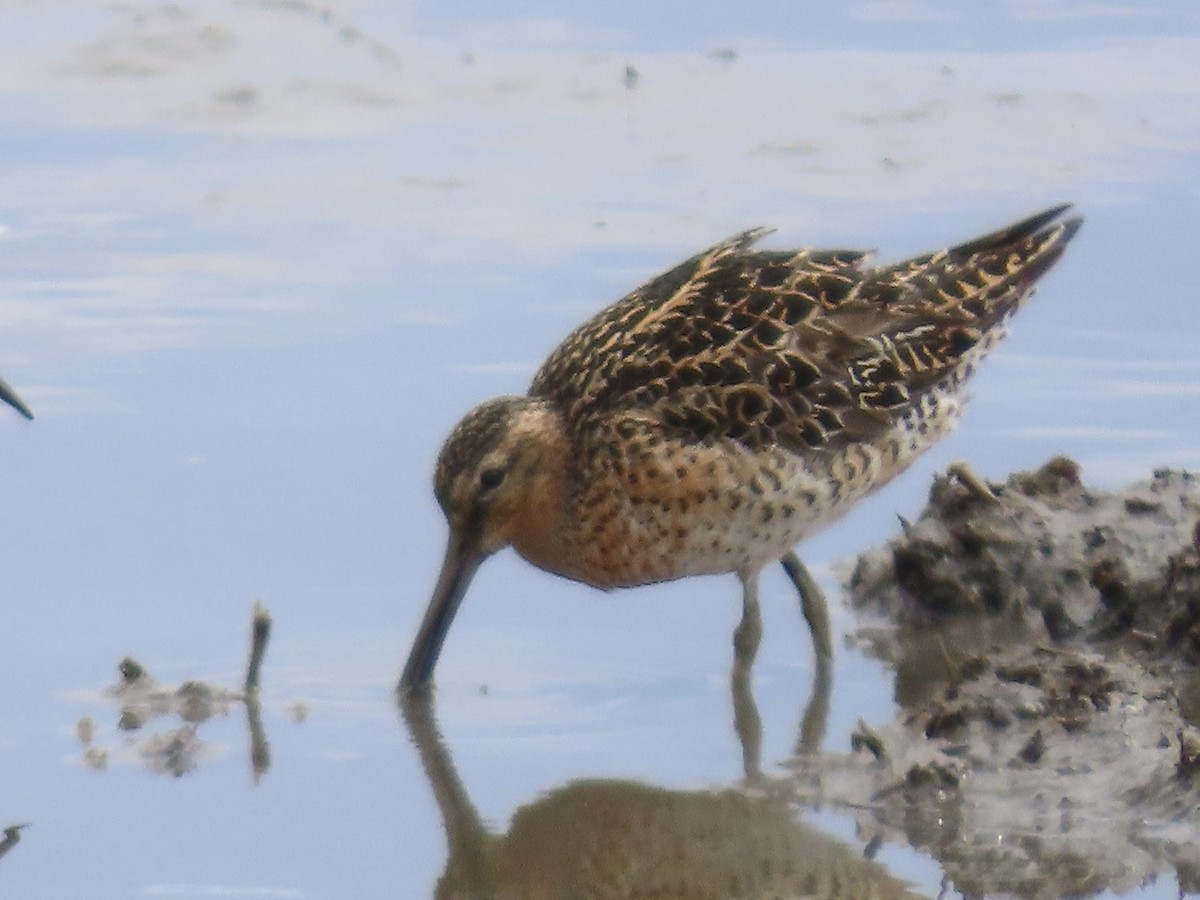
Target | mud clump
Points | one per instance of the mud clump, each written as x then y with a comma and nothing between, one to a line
1045,637
1047,554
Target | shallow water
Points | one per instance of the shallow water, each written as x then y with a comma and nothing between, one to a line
257,257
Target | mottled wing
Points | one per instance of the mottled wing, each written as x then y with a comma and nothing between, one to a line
926,322
804,349
589,364
699,314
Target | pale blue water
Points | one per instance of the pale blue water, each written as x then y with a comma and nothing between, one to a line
256,259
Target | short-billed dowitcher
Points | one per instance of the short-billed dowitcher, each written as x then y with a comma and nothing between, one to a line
719,414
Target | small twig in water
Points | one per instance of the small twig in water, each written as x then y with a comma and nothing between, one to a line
260,634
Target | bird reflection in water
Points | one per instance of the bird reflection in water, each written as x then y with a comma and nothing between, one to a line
601,838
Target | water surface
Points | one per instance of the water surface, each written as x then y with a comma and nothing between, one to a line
256,258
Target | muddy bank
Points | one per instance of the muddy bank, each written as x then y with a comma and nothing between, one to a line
1044,637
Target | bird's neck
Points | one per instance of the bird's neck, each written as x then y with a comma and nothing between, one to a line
540,532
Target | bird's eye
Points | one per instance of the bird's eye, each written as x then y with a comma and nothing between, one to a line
490,478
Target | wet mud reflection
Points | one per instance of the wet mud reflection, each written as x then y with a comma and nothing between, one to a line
180,750
1045,643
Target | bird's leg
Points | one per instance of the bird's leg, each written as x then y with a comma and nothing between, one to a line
746,720
816,714
812,602
749,631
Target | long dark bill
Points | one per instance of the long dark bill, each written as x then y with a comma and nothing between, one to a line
462,559
9,396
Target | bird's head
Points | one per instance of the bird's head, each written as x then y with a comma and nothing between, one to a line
493,479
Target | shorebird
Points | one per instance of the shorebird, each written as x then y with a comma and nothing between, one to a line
724,411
